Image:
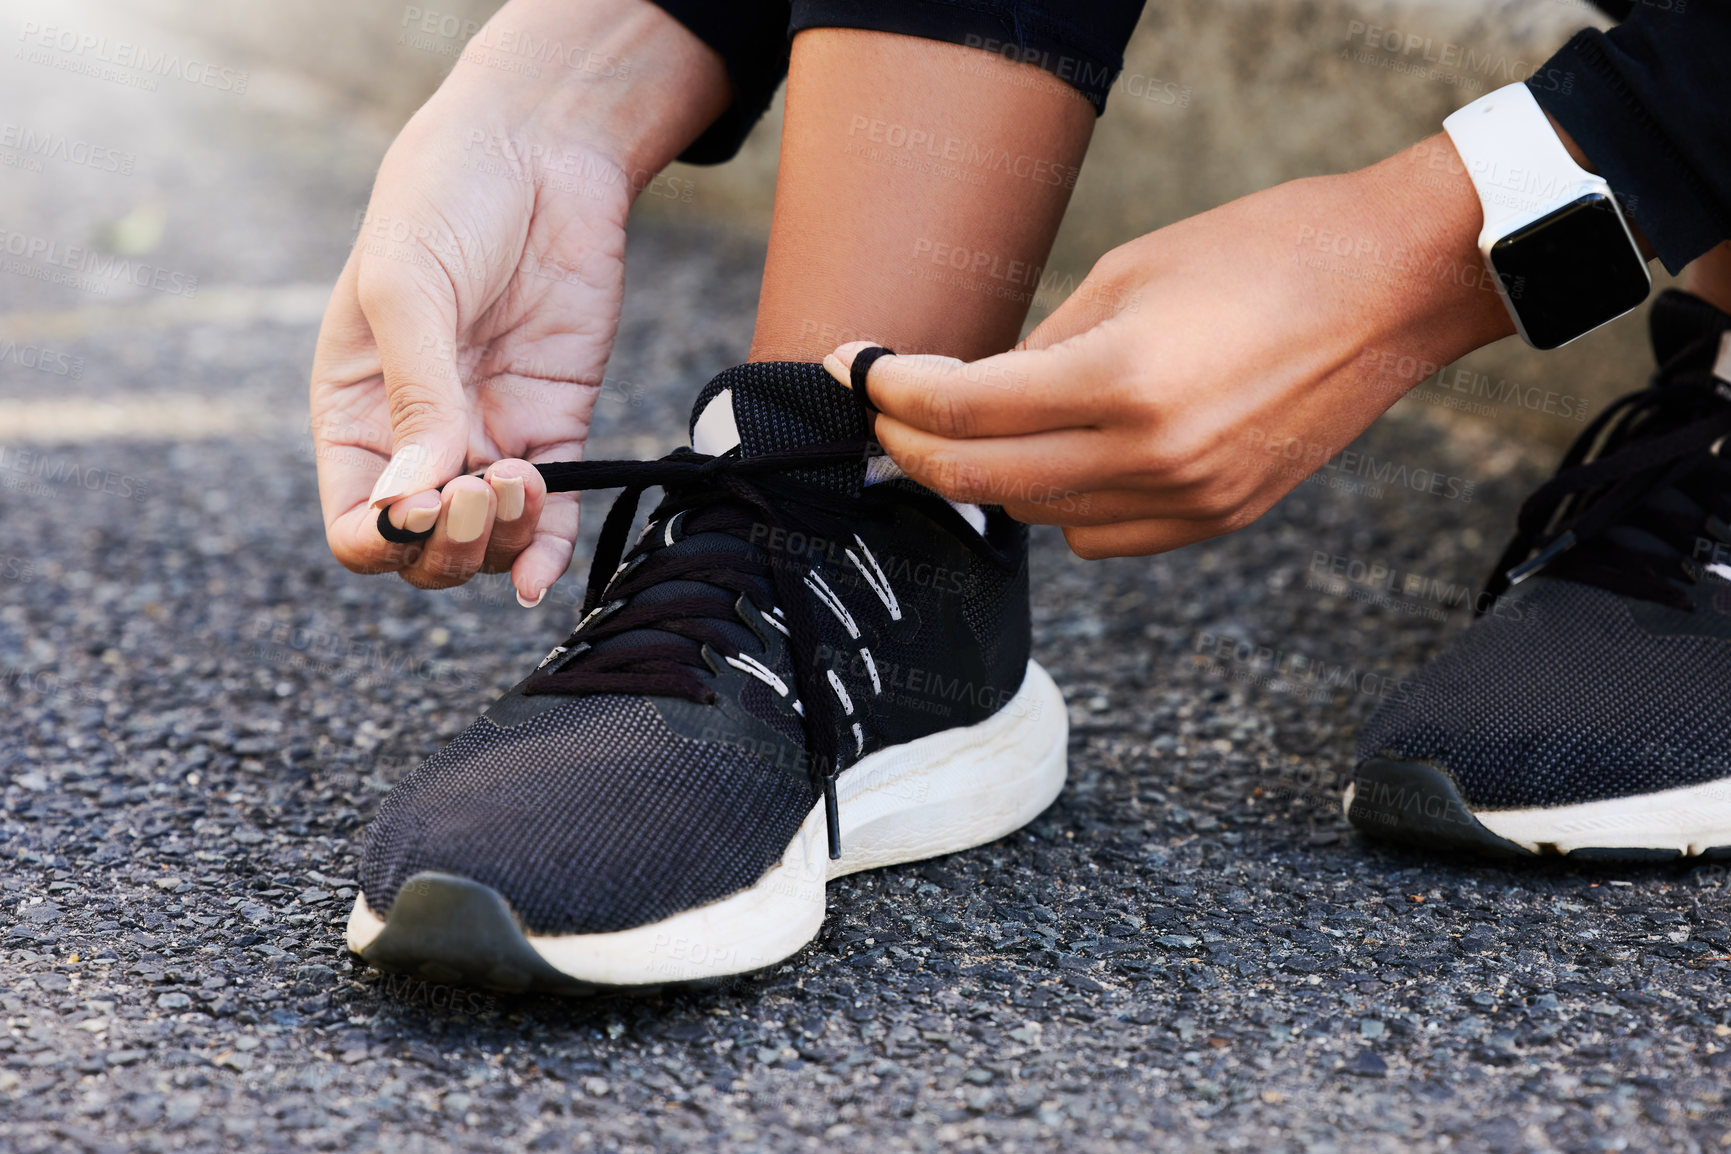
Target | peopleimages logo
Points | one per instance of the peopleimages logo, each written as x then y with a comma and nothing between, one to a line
41,359
32,472
37,146
47,257
960,151
1276,668
1387,584
1397,475
87,50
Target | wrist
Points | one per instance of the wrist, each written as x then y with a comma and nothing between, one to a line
1426,202
619,78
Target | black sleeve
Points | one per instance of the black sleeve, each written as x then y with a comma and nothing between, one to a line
1649,102
1082,44
751,39
1079,43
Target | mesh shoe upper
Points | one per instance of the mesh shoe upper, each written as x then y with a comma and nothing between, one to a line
590,816
1566,693
1609,673
593,810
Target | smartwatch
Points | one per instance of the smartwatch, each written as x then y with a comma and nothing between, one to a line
1554,236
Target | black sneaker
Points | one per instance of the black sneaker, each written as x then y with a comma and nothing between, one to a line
792,675
1585,712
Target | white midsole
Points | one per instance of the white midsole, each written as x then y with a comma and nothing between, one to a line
955,789
1690,818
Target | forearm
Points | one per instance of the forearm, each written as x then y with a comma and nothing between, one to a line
620,78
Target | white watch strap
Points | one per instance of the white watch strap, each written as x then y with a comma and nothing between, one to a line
1514,158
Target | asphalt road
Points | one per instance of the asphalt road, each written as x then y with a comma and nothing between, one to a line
201,711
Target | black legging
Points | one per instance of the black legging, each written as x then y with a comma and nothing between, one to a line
1079,41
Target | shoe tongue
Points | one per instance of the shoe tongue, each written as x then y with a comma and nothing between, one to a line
771,406
1687,330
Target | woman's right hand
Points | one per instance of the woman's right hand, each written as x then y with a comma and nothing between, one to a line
472,323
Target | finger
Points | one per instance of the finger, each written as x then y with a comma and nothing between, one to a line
1139,538
1031,469
355,542
351,432
1017,392
549,552
454,552
1208,499
416,514
413,316
1097,507
518,494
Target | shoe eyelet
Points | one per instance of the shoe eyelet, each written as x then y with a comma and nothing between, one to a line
712,659
627,568
600,613
754,621
562,655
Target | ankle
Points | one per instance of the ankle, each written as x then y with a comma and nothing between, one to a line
1709,277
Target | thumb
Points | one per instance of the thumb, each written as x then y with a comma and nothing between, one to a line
1101,296
414,324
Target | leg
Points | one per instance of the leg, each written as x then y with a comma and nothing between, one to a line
898,152
1709,276
920,187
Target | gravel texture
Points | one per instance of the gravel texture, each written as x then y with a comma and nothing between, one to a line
1189,949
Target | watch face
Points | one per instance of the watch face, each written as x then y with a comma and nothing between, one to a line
1571,271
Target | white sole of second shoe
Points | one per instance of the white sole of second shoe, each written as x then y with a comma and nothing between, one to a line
943,793
1690,819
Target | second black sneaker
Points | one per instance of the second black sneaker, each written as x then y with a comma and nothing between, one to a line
1586,711
804,666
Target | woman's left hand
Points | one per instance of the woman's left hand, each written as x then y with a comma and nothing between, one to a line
1203,370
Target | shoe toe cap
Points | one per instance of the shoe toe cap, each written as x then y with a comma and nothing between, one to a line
1559,697
589,818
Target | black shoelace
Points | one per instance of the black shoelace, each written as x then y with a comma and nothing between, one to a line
1632,520
705,494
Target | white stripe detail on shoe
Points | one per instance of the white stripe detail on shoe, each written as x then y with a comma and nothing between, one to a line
759,670
827,595
840,693
880,584
872,668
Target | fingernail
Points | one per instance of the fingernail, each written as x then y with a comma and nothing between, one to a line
838,370
420,520
405,474
468,515
511,497
539,597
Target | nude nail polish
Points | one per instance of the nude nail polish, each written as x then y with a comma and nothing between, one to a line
539,597
420,520
406,474
468,515
512,497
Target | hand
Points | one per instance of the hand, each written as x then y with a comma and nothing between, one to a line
1203,370
472,323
